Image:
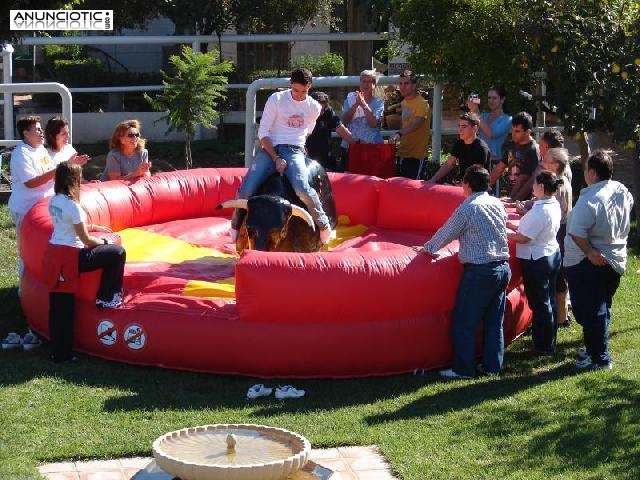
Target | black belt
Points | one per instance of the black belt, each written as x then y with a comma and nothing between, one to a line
298,147
487,264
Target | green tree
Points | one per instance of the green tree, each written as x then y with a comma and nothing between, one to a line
468,43
192,93
589,51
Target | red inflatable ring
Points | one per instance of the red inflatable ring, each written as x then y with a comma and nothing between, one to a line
369,306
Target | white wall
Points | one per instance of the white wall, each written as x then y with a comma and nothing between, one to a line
140,58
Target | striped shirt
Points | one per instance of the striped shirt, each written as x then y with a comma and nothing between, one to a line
480,225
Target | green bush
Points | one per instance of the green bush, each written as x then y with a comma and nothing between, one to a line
267,73
329,64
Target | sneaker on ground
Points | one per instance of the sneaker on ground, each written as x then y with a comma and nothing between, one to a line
450,374
12,340
30,341
588,364
258,390
582,354
115,302
287,391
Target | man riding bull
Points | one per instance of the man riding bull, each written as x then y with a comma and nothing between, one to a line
288,117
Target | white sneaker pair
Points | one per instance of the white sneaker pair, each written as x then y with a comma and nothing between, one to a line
282,392
12,340
29,342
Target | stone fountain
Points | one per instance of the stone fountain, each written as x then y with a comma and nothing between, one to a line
231,452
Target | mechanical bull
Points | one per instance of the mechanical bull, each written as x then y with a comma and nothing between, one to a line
275,218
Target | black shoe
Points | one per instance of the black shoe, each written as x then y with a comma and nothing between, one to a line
480,369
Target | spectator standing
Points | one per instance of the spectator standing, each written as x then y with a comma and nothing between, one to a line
554,139
522,150
539,254
556,160
495,124
596,255
550,139
514,174
288,118
318,144
127,159
363,113
415,133
480,225
468,149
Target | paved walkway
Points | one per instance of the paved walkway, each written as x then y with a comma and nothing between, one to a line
342,463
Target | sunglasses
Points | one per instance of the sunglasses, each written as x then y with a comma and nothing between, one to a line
132,135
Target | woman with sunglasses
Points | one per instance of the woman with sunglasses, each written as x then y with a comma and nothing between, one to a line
128,159
539,253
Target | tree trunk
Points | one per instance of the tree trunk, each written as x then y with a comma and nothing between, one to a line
187,152
636,189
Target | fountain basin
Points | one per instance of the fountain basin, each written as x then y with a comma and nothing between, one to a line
260,453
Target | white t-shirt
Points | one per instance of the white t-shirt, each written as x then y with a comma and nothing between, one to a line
63,155
541,225
287,121
28,163
65,213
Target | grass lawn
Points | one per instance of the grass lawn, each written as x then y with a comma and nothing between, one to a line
540,419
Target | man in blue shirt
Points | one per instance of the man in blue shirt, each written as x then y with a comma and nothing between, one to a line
596,256
479,223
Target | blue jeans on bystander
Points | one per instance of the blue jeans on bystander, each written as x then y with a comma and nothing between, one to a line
592,289
539,278
480,299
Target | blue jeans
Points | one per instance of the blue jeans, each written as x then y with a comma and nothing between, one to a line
481,298
592,289
298,175
539,278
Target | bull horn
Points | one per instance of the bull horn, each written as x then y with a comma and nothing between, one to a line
236,203
303,214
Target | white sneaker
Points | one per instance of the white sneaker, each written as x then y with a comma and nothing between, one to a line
450,374
287,391
258,390
30,341
12,340
115,302
588,364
